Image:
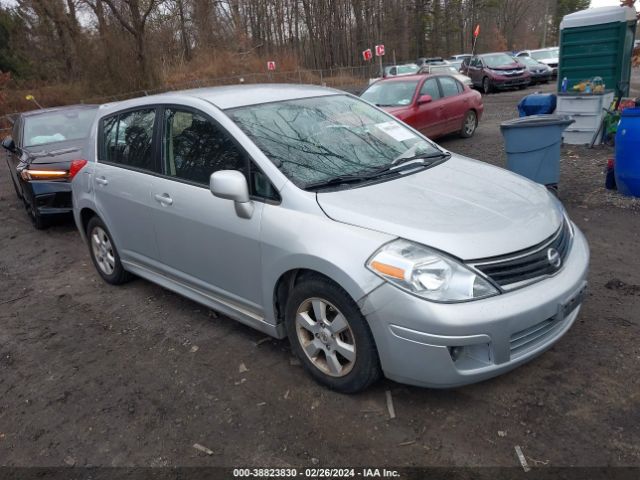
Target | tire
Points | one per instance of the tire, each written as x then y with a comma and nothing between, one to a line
104,254
522,87
469,124
342,355
38,221
486,86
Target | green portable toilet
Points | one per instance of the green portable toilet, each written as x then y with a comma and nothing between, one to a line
597,42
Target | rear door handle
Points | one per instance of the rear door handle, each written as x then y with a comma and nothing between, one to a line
102,181
163,199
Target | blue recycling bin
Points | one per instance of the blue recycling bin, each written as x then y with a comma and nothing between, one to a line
627,166
533,146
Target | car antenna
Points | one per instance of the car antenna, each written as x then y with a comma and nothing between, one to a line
31,98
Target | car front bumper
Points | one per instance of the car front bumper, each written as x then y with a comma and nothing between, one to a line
509,82
417,340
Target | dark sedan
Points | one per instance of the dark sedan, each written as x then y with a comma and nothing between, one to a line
540,72
44,153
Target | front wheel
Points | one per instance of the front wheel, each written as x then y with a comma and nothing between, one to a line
486,85
330,336
469,125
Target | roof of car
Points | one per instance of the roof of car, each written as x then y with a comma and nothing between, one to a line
40,111
232,96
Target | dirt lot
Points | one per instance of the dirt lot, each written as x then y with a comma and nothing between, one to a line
135,375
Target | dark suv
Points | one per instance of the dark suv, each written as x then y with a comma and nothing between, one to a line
492,71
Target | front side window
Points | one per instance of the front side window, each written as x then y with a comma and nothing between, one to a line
391,94
194,147
316,139
128,139
430,87
450,86
57,126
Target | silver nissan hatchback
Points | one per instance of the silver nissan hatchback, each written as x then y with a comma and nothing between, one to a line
308,213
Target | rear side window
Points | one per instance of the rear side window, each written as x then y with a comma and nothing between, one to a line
450,86
127,139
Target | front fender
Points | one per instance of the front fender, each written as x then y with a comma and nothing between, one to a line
299,240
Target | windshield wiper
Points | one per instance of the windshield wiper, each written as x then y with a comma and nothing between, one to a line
339,180
382,171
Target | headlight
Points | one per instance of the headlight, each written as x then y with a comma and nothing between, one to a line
428,273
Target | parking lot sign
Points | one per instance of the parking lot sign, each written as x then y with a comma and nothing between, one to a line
379,50
271,65
367,55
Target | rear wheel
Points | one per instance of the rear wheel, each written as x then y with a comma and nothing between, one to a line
469,124
330,336
104,254
37,220
486,85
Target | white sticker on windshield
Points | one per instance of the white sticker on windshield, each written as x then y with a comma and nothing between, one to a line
396,131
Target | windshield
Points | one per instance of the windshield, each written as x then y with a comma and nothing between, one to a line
528,61
58,126
316,139
391,94
406,69
545,54
497,60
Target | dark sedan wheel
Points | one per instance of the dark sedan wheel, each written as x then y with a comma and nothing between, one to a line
104,254
330,336
37,220
469,125
486,85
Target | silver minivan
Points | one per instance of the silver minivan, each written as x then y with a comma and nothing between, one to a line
309,213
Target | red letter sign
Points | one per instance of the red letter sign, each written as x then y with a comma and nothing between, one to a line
271,65
379,50
367,55
476,32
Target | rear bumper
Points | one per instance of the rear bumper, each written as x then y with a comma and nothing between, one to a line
447,345
49,198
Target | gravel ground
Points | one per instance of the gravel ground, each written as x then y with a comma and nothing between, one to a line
136,375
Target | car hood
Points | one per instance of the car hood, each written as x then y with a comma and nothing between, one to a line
547,61
396,110
464,207
55,152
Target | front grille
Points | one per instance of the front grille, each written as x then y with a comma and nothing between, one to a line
520,268
532,336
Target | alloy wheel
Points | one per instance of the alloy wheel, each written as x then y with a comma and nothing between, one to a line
325,337
103,250
470,124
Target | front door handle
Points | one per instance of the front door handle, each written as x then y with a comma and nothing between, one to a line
102,181
163,199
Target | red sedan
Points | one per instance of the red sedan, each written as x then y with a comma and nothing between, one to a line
434,104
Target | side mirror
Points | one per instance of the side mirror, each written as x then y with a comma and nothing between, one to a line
9,144
232,185
424,99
